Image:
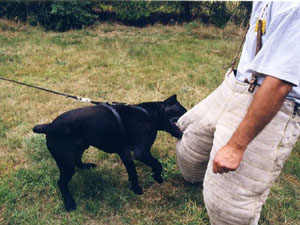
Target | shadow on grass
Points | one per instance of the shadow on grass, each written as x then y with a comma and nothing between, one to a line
31,195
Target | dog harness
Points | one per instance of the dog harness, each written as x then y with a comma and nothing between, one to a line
118,118
110,106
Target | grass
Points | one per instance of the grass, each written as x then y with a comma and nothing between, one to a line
111,62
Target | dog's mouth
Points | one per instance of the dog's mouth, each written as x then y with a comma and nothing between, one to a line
173,121
176,131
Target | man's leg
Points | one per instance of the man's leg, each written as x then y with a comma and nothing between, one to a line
193,152
198,126
237,197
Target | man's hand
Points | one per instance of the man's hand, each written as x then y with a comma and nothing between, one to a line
227,159
266,103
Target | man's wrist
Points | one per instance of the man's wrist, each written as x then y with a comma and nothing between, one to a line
236,145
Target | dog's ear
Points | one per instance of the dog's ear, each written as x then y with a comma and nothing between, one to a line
171,100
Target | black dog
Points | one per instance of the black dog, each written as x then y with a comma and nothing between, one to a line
113,128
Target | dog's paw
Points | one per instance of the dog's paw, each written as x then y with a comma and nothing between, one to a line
70,204
137,190
158,178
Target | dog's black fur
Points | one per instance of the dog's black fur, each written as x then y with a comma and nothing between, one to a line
74,131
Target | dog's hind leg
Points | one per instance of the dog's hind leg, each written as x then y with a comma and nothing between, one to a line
79,163
66,173
131,170
146,158
65,161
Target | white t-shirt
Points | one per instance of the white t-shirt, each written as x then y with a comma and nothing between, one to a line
280,53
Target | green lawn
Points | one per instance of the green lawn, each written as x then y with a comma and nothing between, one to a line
110,62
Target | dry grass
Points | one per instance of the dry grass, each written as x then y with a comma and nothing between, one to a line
110,62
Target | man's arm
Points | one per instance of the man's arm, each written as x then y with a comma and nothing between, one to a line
266,103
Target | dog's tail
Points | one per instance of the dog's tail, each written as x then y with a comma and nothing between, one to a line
41,128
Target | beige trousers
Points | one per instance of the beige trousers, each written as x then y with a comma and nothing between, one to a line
235,197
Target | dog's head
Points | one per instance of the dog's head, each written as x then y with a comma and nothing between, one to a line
171,110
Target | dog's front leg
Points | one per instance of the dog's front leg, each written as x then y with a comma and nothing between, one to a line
144,155
131,170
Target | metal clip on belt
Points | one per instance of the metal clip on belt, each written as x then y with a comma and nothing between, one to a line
253,83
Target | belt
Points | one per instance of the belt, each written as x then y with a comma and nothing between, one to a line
246,80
